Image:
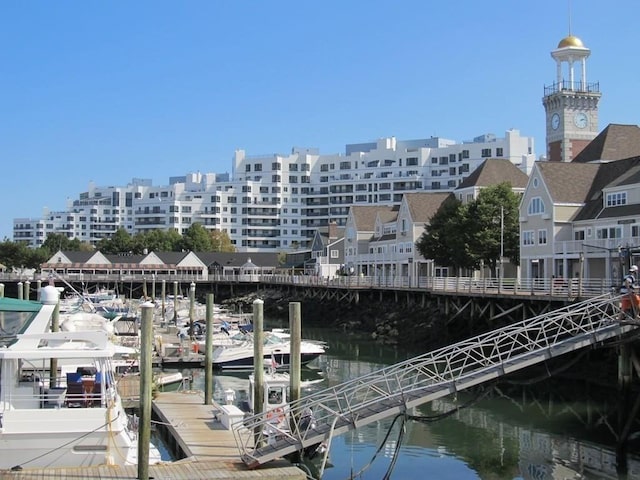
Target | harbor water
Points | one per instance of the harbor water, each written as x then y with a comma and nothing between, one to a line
551,429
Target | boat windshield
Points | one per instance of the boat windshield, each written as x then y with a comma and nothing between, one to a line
15,317
271,339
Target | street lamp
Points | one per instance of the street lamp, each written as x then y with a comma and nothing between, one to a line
501,241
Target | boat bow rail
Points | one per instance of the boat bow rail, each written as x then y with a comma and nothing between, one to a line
397,388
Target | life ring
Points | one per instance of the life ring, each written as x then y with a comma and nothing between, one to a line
276,415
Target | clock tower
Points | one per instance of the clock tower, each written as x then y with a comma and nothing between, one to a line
570,104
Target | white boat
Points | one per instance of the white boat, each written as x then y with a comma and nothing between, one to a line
47,420
275,348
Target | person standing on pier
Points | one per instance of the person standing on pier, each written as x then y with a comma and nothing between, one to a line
630,304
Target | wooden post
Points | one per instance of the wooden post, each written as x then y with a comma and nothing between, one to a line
153,287
163,292
20,291
175,302
192,306
144,429
38,288
27,289
144,288
258,361
1,290
53,366
208,354
295,360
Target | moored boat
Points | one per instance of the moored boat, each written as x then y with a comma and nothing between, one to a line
51,420
275,348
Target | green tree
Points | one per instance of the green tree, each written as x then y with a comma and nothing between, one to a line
196,239
445,238
156,241
220,241
119,242
59,242
493,225
15,255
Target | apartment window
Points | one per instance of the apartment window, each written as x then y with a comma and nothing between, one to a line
635,231
615,199
528,238
486,152
275,166
444,160
324,179
536,206
305,167
293,167
609,232
499,152
345,165
247,167
452,158
275,178
578,235
542,237
434,160
465,153
435,185
258,167
293,179
412,161
324,168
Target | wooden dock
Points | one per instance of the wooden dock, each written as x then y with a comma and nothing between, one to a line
210,450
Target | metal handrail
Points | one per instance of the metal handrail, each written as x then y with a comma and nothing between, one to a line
432,375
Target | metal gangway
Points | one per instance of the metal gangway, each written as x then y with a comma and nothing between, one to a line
400,387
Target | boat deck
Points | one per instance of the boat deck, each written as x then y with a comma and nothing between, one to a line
210,449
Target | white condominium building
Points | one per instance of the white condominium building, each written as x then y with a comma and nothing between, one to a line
277,202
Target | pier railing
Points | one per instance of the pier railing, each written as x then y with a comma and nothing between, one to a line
553,287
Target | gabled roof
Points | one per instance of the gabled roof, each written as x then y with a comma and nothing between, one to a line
615,142
423,205
582,183
568,182
365,216
236,259
494,171
620,172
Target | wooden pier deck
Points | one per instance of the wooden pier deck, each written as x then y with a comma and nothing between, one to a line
210,450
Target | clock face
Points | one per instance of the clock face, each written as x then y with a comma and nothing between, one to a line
581,120
555,121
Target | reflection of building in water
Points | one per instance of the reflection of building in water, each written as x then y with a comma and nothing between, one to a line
543,456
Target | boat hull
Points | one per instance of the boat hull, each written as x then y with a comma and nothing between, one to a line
244,363
54,437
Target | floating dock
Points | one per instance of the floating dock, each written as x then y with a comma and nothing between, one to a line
209,448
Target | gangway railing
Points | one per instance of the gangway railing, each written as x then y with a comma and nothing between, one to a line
397,388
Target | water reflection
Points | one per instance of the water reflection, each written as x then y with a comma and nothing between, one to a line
547,431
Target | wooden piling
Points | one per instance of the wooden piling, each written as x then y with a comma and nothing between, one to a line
146,378
208,355
258,360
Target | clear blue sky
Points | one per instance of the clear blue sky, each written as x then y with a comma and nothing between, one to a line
105,91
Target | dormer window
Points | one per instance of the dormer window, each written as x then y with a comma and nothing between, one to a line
615,199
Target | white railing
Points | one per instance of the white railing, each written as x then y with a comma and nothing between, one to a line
553,287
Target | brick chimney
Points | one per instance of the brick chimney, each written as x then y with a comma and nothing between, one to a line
333,230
